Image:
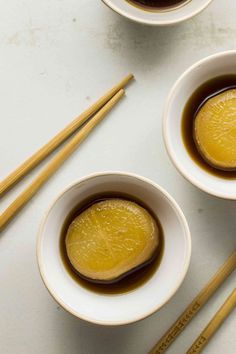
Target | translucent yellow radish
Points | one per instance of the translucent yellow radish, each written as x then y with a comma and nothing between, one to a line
110,239
215,130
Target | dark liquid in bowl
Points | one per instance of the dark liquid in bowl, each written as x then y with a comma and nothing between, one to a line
158,4
198,98
131,281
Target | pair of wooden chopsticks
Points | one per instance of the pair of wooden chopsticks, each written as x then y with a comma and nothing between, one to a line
214,324
200,300
96,112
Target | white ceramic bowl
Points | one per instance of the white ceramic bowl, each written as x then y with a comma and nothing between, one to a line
204,70
158,18
139,303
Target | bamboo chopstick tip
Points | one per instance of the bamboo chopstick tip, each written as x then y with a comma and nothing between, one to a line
131,76
120,93
128,78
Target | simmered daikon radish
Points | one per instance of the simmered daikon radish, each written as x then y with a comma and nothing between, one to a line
215,130
111,239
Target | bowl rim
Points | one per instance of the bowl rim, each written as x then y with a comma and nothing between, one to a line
136,19
182,220
165,130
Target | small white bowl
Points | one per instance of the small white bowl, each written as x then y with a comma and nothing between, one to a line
139,303
158,18
204,70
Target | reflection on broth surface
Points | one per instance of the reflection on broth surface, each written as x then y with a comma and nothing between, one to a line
158,4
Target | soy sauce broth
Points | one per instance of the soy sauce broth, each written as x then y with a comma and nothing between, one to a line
155,5
132,281
198,98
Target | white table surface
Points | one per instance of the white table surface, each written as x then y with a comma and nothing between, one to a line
56,57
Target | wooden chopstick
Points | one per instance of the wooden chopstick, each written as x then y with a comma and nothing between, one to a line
214,324
221,275
57,161
48,148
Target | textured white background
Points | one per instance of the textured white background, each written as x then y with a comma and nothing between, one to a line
56,57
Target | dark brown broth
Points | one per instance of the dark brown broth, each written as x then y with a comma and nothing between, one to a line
131,281
198,98
157,4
